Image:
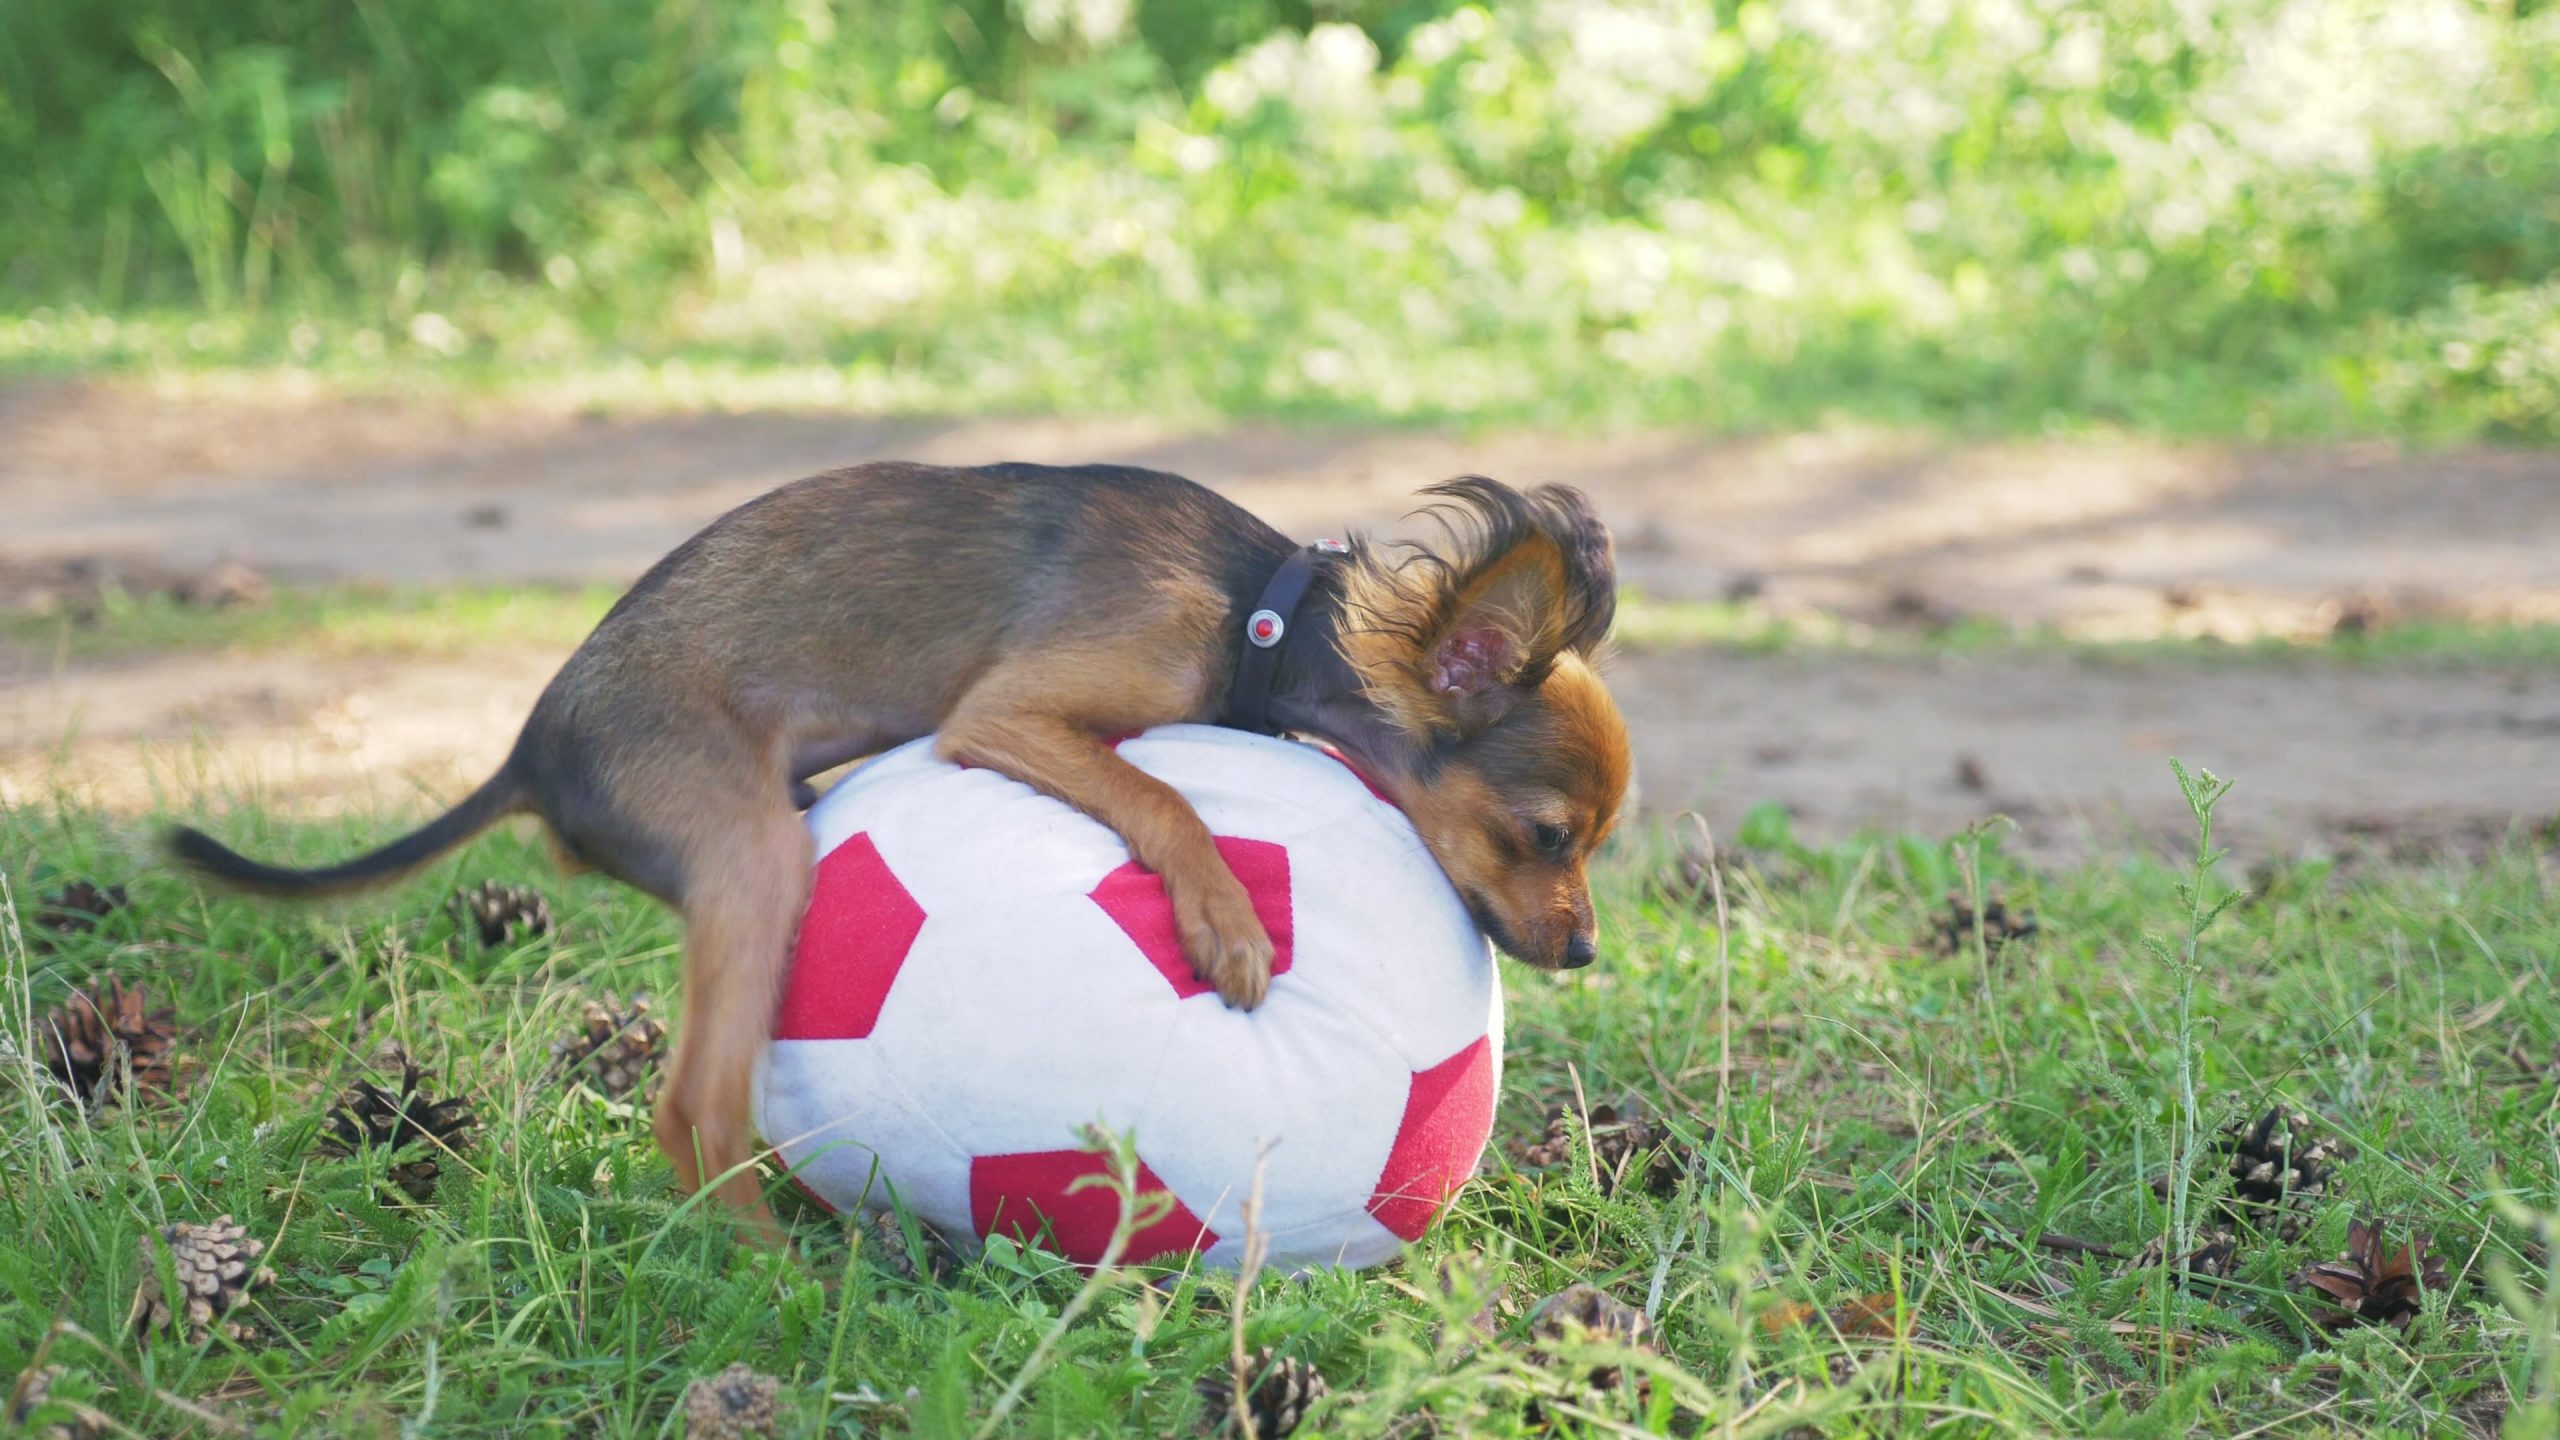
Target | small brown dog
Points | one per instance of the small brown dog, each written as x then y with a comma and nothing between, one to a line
1025,613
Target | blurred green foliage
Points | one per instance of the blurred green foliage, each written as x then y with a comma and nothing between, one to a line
2225,216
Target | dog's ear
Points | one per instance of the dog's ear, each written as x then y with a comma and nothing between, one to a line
1590,564
1460,635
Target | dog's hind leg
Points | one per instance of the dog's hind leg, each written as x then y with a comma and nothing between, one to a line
707,826
744,894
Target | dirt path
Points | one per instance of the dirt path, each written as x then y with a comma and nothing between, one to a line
2098,539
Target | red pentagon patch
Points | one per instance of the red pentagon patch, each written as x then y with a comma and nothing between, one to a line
860,924
1448,1117
1027,1197
1133,896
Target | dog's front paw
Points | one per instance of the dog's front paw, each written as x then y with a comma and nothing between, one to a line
1223,939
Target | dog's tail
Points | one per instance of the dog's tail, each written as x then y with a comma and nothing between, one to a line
503,795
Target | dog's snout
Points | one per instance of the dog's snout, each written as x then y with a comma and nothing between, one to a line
1581,950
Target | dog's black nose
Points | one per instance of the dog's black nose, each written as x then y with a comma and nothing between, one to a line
1580,951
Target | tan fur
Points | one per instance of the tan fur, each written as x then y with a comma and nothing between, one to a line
1401,609
1567,765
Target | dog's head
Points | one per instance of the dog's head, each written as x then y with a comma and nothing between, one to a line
1497,736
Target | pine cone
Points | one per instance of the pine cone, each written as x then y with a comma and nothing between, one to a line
2277,1167
32,1390
1999,925
90,1039
888,1242
77,908
1627,1144
615,1048
732,1405
1691,880
216,1266
372,1118
1583,1310
1281,1390
2369,1285
1689,883
496,912
2216,1255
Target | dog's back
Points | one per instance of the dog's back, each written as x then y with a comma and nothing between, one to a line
944,565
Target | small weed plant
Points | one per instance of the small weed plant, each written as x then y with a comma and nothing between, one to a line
2203,791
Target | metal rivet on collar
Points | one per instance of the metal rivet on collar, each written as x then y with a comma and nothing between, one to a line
1265,627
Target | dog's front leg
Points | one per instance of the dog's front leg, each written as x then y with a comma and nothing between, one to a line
1212,912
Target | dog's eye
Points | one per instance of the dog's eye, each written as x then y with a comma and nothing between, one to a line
1552,839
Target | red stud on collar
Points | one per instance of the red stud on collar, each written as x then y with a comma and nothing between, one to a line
1265,627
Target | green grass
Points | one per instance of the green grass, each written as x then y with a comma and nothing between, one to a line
344,620
324,621
1730,214
1869,1115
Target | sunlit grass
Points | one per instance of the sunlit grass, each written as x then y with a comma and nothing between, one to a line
344,621
326,622
1876,1115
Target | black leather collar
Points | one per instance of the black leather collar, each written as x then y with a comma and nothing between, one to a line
1266,631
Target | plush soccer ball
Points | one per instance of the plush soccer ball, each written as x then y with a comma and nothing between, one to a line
983,973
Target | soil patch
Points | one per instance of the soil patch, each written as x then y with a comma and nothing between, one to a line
2103,539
